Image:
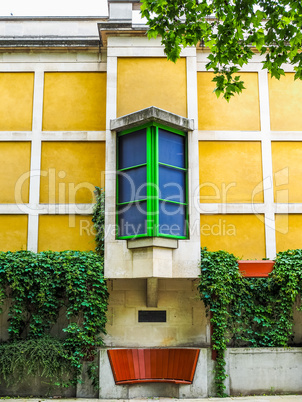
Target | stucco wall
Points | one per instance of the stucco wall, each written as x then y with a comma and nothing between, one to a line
186,321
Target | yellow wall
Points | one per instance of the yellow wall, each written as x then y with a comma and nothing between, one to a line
16,101
288,232
144,82
242,235
285,96
287,170
14,169
71,170
74,101
13,232
230,171
241,113
65,232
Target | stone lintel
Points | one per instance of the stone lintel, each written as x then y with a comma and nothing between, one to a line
152,114
152,242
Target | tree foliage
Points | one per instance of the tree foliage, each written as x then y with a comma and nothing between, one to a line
232,30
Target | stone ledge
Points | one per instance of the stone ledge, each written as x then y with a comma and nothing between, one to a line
152,114
152,242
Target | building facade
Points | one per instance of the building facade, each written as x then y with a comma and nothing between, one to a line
88,102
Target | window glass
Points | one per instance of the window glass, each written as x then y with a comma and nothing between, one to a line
172,219
171,148
132,219
132,149
151,183
172,184
132,184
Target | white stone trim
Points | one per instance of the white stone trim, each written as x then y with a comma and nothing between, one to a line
248,208
286,135
231,208
53,67
74,136
129,46
46,209
144,52
54,136
267,165
110,179
15,136
35,162
229,135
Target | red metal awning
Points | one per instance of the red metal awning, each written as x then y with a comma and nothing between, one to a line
131,366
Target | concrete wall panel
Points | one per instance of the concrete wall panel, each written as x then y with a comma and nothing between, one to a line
71,170
288,231
287,170
243,235
261,370
285,97
14,171
144,82
16,101
241,113
66,232
230,171
74,101
13,232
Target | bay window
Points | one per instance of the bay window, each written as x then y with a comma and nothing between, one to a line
152,197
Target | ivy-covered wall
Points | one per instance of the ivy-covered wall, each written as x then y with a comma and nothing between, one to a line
249,312
40,287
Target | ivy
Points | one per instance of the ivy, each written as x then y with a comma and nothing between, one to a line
98,220
40,285
252,312
40,357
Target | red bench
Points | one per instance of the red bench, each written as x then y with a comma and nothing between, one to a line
132,366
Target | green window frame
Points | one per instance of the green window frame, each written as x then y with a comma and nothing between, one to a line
148,199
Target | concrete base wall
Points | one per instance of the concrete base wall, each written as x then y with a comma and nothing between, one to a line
264,370
250,371
35,387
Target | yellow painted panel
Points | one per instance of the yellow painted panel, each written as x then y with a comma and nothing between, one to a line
74,101
241,113
287,170
288,231
16,101
13,232
285,97
242,235
230,171
144,82
14,172
66,232
71,170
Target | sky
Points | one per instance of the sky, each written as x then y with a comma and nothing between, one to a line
53,8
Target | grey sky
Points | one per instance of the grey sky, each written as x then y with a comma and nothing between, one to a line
53,8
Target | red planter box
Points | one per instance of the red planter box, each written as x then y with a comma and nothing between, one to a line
256,269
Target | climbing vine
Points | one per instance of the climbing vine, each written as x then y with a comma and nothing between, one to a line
253,312
98,220
41,286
